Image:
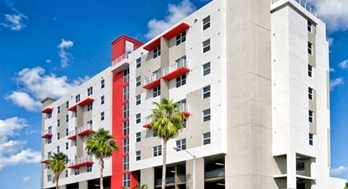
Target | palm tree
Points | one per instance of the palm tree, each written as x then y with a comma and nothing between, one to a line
346,186
101,144
166,124
57,164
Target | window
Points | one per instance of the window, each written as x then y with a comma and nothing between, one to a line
126,75
180,81
77,171
138,100
206,92
156,91
126,92
138,155
138,62
66,173
49,115
138,118
309,26
310,48
90,91
181,144
58,149
206,115
58,136
102,116
125,162
157,52
89,106
310,139
310,116
206,22
310,68
206,138
89,168
67,145
58,109
77,98
206,69
138,81
300,165
49,178
66,132
181,38
102,83
310,93
49,140
125,145
138,137
66,117
206,46
102,99
126,110
58,122
126,127
126,180
67,104
184,122
157,150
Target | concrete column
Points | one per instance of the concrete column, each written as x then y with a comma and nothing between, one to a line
291,170
147,176
197,176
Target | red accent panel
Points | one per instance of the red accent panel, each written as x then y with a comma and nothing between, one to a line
152,84
80,164
117,129
85,101
118,46
73,137
176,73
47,110
186,114
176,30
85,132
73,108
153,44
148,126
47,135
45,161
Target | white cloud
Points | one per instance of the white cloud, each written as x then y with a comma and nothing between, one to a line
343,64
64,56
176,13
35,85
332,70
336,82
333,12
25,179
338,171
14,21
12,152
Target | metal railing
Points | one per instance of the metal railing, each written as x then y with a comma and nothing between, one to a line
152,78
72,133
304,5
119,59
179,64
80,160
183,107
84,128
44,158
46,131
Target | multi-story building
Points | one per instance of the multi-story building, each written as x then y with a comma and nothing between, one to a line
252,79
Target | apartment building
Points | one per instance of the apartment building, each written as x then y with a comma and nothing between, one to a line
251,78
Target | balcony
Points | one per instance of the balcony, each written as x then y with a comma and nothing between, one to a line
152,81
72,135
175,70
147,123
84,130
45,159
81,103
47,110
183,107
47,133
79,162
120,63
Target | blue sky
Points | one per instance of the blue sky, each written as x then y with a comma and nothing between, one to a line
49,47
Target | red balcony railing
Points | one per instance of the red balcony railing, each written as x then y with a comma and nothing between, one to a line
183,107
147,123
175,70
84,130
152,81
47,133
81,161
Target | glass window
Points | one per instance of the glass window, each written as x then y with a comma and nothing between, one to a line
102,116
156,91
126,75
310,116
309,26
89,168
58,149
138,118
66,173
206,115
138,81
102,83
126,92
157,52
206,68
206,22
206,138
89,106
181,38
138,155
58,109
180,81
126,110
49,178
67,145
206,46
67,104
138,137
58,122
102,99
126,127
311,139
125,162
66,132
157,150
90,91
206,91
310,93
138,62
66,117
77,171
310,48
58,136
77,98
138,100
310,68
126,180
125,145
181,144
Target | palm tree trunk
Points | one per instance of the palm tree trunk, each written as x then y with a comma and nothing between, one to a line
164,169
57,185
101,162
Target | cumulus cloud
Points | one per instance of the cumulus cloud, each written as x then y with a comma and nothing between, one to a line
176,13
333,12
343,64
64,56
14,21
332,70
12,152
336,82
35,85
25,179
338,171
